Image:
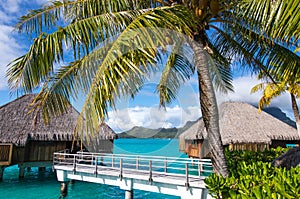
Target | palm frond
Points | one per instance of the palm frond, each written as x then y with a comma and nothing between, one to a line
177,70
45,18
237,48
35,66
295,89
257,87
270,91
50,104
257,51
278,19
124,67
69,11
220,75
220,70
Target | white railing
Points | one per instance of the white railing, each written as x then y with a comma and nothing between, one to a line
138,163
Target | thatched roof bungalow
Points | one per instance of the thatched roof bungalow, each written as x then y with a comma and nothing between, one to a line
241,128
27,141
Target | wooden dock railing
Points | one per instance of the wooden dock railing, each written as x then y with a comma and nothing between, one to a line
145,165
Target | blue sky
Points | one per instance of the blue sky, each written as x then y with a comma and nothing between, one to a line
143,110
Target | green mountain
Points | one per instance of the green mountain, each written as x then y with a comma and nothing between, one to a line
142,132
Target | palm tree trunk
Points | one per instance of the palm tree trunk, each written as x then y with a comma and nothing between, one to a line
209,109
296,112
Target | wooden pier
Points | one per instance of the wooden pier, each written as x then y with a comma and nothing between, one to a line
181,177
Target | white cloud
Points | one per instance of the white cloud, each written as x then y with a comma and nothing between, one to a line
243,85
242,88
10,49
17,6
151,117
11,45
42,2
185,108
11,6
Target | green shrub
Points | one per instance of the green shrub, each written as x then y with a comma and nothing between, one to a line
234,157
253,176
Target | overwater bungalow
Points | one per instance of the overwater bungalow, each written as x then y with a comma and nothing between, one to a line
241,128
26,141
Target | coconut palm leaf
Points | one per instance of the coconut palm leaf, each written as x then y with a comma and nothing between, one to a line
220,75
278,20
84,35
61,12
220,70
105,88
177,70
119,68
262,53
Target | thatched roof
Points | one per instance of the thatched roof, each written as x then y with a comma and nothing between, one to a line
196,131
289,159
241,123
105,133
19,127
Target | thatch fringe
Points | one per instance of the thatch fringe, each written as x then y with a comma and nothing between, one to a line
19,127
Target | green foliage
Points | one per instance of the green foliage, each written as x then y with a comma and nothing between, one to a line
253,176
234,157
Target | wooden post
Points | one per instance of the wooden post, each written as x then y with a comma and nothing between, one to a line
137,163
166,165
21,171
128,194
63,189
150,172
96,165
1,172
42,169
187,184
199,168
121,169
74,165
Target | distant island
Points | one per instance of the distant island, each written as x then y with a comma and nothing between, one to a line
142,132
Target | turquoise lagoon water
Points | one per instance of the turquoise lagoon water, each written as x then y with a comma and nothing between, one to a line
43,185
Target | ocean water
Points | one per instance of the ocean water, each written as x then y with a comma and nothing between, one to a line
43,185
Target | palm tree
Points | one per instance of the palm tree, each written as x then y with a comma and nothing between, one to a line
116,43
272,90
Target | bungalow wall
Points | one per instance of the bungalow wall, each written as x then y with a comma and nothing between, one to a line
34,151
42,151
6,154
10,154
192,148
